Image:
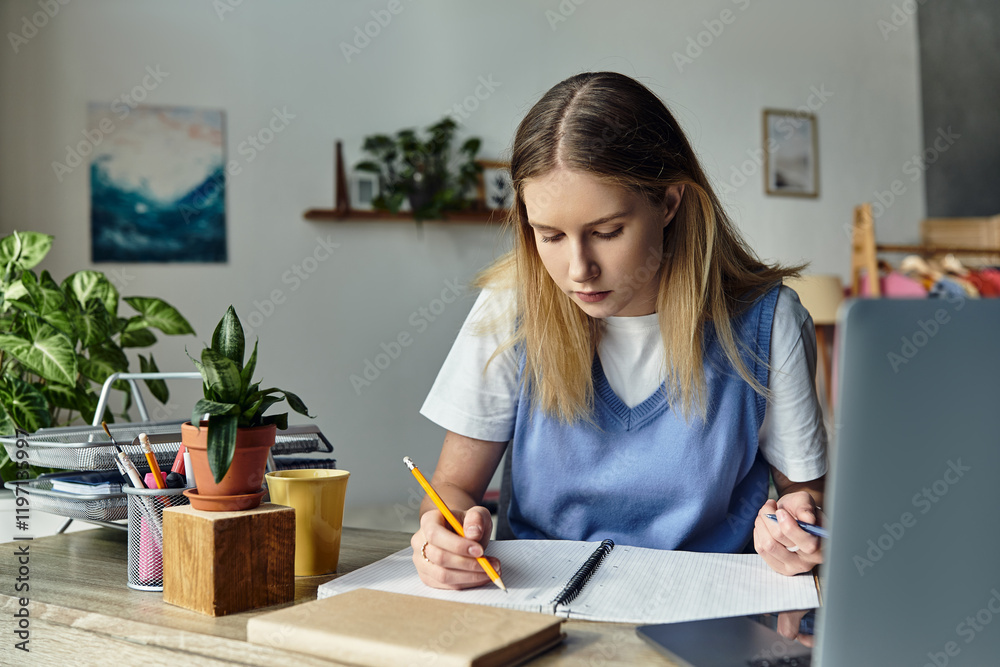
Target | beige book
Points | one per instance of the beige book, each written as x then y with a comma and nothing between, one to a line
376,628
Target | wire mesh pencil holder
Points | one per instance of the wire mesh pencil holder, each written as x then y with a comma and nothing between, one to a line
145,535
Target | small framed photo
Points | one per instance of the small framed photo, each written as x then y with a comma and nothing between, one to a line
495,190
791,157
364,189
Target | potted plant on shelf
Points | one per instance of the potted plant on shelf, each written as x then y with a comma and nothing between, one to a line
229,450
423,172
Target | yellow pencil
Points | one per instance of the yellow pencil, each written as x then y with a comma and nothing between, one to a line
151,459
433,495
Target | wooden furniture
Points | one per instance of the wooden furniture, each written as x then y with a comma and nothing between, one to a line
349,215
82,612
973,235
976,240
864,252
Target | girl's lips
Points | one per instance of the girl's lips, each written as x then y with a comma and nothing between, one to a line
592,297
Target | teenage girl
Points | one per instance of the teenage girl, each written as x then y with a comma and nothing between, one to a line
647,371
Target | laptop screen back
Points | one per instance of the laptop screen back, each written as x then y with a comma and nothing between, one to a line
912,572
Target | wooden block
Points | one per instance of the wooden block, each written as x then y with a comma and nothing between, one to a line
220,563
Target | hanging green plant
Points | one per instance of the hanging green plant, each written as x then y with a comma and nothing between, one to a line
423,171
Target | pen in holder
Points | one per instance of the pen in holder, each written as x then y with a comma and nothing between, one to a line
145,535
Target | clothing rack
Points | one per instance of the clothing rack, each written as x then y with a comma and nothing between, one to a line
985,245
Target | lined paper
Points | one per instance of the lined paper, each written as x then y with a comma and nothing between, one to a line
633,585
534,572
636,585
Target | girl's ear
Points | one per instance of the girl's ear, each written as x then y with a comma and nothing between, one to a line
675,193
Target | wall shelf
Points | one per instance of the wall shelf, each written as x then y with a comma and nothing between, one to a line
349,215
342,211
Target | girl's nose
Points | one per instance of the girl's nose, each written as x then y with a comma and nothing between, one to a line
582,267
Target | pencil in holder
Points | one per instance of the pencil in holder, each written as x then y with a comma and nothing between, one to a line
145,535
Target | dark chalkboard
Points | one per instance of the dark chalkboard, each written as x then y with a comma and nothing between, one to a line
960,78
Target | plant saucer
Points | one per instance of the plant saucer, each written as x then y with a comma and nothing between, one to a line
246,501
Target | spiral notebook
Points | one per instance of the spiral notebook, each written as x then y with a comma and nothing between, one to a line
602,581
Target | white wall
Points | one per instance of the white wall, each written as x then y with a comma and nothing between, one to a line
266,55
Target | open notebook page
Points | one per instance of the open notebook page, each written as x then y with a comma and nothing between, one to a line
534,572
633,585
636,585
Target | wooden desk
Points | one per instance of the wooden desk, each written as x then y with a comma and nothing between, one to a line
83,613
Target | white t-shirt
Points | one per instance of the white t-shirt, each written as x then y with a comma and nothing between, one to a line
483,406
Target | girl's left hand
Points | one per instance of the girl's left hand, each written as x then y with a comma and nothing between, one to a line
788,626
783,544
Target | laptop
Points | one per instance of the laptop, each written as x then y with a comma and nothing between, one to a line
912,572
724,642
912,568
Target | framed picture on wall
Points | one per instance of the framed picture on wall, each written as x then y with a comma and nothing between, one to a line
158,188
364,189
495,190
791,158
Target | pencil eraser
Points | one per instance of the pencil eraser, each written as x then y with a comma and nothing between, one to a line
149,480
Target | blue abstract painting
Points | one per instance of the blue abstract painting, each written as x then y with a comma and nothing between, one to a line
157,184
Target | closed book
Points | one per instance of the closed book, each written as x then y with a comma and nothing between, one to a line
380,629
89,483
86,489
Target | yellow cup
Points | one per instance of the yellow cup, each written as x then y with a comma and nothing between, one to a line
318,499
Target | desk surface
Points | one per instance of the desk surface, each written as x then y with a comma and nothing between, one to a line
81,608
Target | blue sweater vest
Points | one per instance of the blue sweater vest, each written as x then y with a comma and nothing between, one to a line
645,476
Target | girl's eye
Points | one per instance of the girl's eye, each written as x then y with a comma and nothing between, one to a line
550,239
609,235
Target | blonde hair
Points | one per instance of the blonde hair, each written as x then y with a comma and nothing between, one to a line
610,126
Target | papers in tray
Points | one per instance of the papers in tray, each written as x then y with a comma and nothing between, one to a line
89,483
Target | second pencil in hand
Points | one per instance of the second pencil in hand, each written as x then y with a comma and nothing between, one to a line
439,503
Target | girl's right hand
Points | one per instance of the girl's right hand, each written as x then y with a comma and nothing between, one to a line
445,559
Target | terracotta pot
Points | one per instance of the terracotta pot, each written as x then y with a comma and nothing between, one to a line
245,475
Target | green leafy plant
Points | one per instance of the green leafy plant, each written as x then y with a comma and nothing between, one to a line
423,171
231,399
59,342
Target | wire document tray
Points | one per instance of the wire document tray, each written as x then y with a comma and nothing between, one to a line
89,507
88,447
302,462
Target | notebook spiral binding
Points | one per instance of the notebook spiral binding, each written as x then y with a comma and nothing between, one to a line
583,575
